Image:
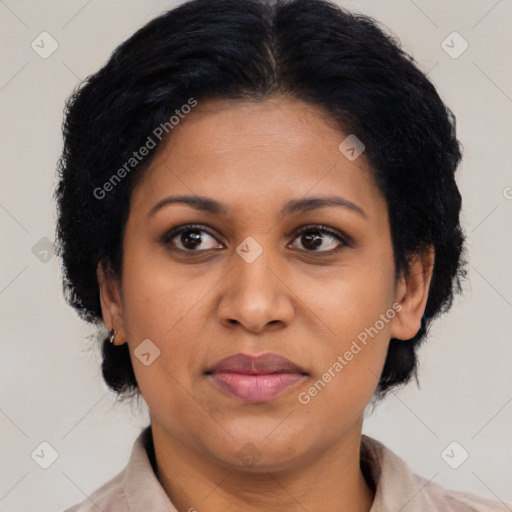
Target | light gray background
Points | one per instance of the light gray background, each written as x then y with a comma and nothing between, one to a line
51,388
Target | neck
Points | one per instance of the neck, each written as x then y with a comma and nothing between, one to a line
330,481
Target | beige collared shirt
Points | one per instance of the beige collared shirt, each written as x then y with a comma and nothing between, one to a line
137,489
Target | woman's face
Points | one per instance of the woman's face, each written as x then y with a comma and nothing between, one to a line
244,280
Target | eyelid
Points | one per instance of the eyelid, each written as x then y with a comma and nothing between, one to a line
169,235
341,237
344,239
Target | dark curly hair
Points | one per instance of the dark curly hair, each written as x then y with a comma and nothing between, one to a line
341,62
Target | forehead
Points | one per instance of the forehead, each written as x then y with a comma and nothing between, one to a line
256,153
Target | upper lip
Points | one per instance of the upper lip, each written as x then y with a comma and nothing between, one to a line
256,365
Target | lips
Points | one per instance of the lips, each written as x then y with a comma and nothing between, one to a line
256,365
255,378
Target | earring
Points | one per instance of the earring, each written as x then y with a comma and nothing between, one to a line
112,336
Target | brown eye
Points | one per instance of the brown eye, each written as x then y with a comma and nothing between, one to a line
321,239
190,239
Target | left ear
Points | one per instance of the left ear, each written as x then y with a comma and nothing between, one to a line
412,295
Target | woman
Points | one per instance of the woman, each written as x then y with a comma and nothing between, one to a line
257,200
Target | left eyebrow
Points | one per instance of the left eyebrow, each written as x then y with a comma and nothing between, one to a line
209,205
312,203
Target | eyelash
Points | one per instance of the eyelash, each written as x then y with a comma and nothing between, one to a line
319,228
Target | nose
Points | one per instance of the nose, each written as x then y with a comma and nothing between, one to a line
255,295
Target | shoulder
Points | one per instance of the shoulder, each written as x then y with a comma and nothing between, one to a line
135,488
110,496
398,488
441,499
467,501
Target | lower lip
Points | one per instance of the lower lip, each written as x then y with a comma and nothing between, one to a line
256,388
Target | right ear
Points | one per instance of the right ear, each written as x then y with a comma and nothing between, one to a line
110,298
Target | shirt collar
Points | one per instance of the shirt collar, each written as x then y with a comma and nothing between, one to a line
397,487
142,487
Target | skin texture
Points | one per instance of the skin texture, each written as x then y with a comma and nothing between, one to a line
304,303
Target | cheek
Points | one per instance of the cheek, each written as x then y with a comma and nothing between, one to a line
159,307
357,310
351,300
348,373
157,301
